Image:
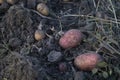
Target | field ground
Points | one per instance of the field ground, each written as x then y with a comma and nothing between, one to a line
24,58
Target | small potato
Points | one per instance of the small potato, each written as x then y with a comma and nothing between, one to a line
39,35
43,9
66,0
70,39
87,61
12,1
1,1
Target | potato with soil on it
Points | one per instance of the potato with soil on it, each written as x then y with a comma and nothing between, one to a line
87,61
39,35
1,1
70,39
66,0
12,1
43,9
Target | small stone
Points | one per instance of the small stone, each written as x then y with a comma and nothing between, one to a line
30,39
54,56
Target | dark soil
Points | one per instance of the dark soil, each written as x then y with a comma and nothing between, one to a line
24,58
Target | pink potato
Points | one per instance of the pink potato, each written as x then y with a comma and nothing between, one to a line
87,61
70,39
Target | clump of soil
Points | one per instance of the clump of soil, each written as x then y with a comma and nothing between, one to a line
16,67
17,24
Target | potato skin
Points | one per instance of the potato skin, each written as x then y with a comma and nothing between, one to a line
1,1
43,9
70,39
12,1
87,61
39,35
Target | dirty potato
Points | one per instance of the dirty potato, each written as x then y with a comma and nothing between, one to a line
87,61
43,9
70,39
39,35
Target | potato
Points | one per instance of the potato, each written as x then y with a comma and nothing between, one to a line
1,1
70,39
87,61
12,1
43,9
39,35
66,0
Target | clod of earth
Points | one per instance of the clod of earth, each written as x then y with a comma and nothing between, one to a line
31,4
1,1
54,56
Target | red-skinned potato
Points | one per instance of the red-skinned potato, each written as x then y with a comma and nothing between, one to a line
70,39
87,61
